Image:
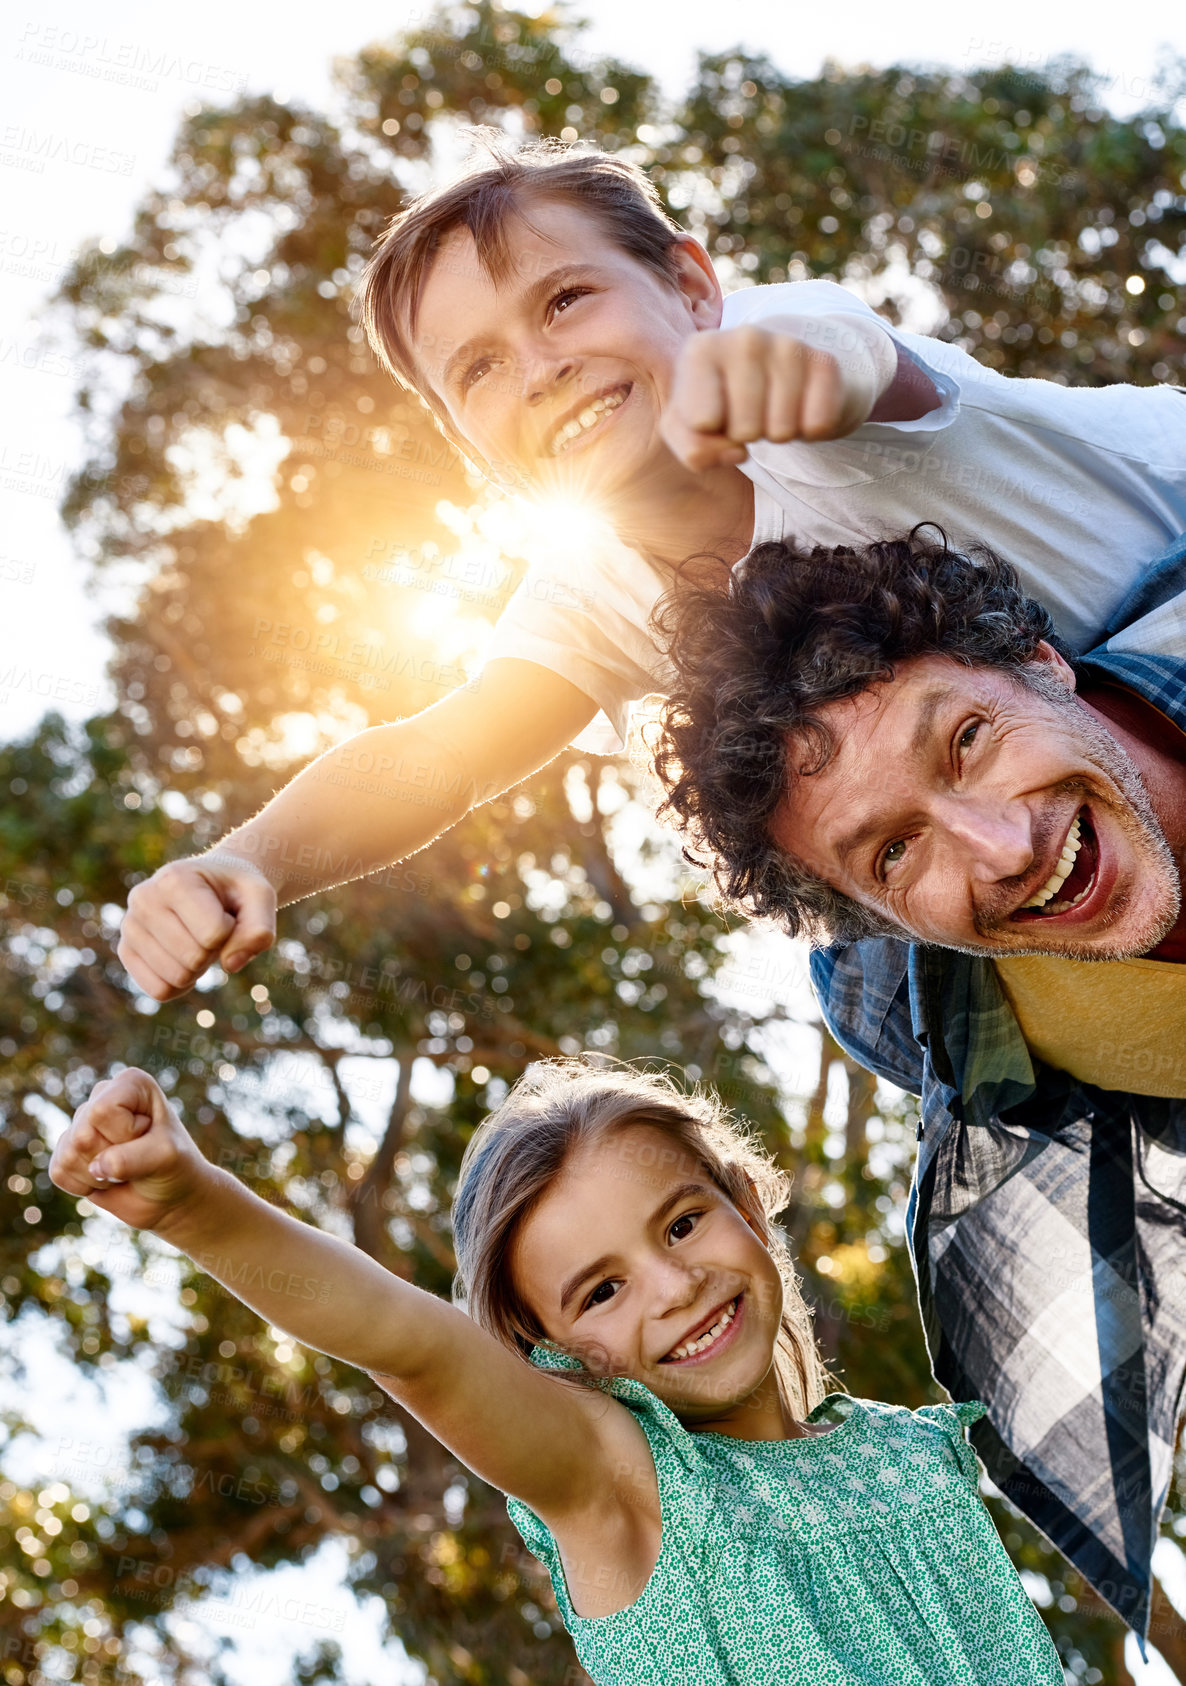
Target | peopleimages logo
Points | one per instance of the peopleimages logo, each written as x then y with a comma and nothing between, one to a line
54,687
132,64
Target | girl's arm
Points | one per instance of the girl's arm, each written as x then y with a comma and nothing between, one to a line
554,1446
369,802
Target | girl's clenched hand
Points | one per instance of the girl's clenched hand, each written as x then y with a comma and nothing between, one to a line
128,1153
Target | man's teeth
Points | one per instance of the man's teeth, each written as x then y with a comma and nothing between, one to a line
587,418
687,1348
1062,871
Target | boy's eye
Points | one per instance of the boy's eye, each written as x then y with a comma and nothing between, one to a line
556,302
688,1218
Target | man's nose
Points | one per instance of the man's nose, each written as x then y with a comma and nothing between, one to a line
996,837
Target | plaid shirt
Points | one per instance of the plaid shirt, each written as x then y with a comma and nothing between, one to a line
1047,1216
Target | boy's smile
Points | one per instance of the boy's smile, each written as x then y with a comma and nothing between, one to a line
557,374
637,1263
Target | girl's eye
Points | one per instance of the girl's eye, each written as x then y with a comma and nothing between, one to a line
596,1297
475,372
688,1218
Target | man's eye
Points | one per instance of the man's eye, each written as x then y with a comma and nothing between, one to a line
894,853
967,736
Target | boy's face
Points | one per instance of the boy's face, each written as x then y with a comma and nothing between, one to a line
633,1253
557,375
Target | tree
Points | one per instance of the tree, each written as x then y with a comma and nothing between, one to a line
292,516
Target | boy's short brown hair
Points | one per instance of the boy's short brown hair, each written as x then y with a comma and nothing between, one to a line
496,186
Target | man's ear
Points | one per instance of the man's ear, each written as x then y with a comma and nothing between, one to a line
696,280
1054,665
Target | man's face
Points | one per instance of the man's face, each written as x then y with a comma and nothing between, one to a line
558,374
979,814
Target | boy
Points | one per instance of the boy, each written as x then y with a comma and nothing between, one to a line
572,340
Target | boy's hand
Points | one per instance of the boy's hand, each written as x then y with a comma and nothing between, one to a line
733,386
191,913
128,1153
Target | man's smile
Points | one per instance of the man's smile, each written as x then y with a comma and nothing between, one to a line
1069,884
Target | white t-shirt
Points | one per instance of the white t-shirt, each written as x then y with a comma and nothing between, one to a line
1079,487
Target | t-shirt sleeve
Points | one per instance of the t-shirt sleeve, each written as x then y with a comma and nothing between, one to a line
588,623
758,305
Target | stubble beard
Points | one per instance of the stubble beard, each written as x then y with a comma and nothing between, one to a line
1135,817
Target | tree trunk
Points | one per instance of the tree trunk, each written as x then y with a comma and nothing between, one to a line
366,1201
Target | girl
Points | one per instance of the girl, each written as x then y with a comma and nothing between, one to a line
637,1372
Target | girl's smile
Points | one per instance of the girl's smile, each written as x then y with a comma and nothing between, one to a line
710,1337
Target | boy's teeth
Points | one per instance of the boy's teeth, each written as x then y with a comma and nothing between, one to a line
687,1348
587,418
1062,871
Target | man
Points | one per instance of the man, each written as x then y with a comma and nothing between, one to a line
889,751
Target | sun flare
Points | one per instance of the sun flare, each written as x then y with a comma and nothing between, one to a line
470,572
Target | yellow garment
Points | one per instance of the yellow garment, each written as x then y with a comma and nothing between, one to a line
1120,1024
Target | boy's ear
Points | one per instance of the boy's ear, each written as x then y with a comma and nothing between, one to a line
697,282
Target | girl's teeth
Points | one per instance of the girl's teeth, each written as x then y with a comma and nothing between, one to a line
1062,871
687,1348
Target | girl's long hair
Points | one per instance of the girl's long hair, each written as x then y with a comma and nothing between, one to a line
520,1149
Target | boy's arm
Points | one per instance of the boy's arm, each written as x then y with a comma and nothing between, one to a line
361,806
810,377
129,1154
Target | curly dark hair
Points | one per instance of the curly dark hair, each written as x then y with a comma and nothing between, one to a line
755,663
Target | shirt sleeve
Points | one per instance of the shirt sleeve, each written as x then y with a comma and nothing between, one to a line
827,298
587,620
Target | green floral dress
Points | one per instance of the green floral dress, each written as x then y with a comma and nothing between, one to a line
860,1557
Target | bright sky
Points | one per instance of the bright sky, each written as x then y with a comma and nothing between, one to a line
92,97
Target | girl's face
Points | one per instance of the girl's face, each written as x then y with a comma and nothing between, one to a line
635,1262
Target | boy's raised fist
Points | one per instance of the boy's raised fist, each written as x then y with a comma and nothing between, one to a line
128,1153
191,913
799,377
734,386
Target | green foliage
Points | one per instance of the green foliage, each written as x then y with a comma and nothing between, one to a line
1049,227
281,601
